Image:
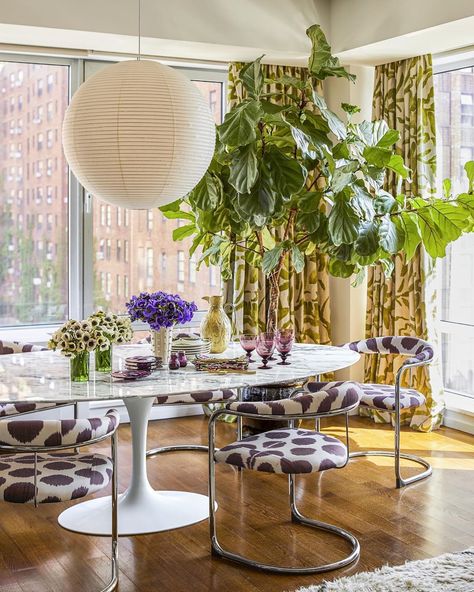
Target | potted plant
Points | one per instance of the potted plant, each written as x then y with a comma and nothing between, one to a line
161,312
287,162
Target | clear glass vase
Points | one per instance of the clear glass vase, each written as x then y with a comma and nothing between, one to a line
80,367
103,360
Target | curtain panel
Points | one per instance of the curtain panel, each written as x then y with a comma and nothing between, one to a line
304,297
405,303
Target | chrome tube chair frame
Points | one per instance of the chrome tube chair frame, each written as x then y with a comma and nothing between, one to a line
113,582
296,516
397,454
193,447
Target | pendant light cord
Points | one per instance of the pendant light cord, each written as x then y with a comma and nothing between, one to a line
139,31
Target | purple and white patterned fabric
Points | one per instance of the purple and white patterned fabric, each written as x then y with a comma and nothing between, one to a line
202,397
382,396
60,476
286,451
340,396
418,349
56,432
8,409
379,396
15,347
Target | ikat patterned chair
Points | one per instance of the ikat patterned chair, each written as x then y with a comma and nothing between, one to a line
204,398
36,469
392,399
8,409
291,451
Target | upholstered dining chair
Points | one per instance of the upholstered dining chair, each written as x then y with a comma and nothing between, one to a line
291,451
203,398
9,409
36,469
391,398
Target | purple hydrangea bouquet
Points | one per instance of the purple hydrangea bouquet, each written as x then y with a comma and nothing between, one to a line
161,311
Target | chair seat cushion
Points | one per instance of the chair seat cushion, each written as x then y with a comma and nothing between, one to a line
60,476
7,409
202,397
285,451
382,396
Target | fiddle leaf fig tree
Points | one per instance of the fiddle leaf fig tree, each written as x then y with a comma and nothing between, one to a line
285,161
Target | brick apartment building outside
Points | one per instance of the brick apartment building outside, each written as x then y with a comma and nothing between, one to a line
133,250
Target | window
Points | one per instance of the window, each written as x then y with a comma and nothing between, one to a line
35,256
150,258
454,91
180,267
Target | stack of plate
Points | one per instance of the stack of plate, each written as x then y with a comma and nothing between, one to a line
148,363
192,345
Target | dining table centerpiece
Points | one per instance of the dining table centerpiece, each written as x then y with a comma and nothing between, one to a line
109,328
74,340
161,311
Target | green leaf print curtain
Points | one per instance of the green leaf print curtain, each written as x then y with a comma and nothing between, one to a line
304,297
404,304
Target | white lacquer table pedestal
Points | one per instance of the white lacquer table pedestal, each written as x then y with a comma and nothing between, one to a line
141,509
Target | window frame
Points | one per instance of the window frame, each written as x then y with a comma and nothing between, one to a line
441,65
80,203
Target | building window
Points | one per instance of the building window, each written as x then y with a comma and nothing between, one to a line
108,249
119,216
102,215
180,267
149,220
109,216
455,146
125,251
149,266
192,269
118,284
119,249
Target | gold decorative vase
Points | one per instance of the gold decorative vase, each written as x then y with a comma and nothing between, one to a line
216,326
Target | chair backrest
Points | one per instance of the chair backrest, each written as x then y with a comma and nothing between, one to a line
49,433
419,350
15,347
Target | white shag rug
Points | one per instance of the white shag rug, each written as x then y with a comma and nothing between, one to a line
452,572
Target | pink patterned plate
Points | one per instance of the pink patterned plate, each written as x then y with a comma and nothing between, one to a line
130,374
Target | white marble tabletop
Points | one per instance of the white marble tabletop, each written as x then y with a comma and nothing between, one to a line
44,376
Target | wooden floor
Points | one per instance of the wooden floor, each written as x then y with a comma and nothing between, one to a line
420,521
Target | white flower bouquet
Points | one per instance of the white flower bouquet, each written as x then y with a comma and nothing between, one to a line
76,337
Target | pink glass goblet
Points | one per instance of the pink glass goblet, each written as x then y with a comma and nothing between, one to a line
248,343
284,343
265,348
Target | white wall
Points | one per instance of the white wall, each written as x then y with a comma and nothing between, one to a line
199,29
378,31
348,304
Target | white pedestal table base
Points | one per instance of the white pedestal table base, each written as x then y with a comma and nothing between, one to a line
141,509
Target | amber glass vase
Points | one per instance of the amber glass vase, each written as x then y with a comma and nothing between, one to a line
216,326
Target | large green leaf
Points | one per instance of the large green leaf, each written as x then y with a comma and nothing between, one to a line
340,268
309,220
389,138
252,79
286,174
309,201
397,165
340,179
412,238
449,217
433,240
343,222
239,126
376,156
183,232
336,125
207,193
244,168
466,200
271,258
384,202
362,202
297,259
367,242
390,240
469,168
321,63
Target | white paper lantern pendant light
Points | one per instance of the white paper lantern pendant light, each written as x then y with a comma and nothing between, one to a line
138,134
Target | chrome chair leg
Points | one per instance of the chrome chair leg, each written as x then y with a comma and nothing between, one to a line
177,448
296,517
113,583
